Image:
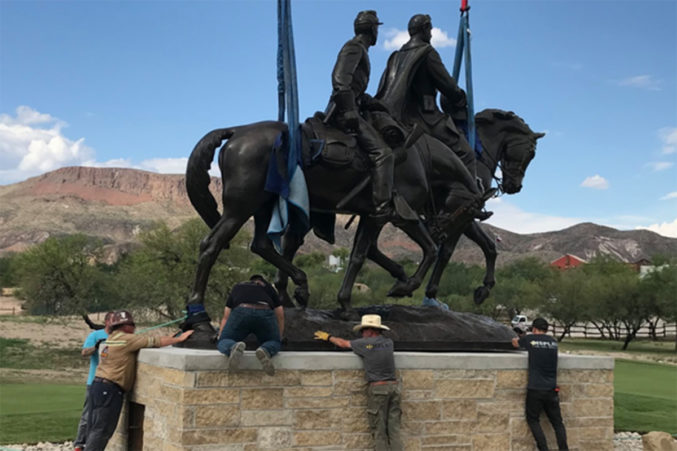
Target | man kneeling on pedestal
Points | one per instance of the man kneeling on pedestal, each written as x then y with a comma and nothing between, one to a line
252,307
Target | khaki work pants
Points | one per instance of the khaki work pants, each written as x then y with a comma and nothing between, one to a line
384,411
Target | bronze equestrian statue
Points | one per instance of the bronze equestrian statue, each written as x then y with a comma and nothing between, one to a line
509,144
427,172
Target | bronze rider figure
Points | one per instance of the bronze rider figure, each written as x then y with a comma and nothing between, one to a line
349,82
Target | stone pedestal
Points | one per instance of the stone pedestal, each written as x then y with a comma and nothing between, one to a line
185,399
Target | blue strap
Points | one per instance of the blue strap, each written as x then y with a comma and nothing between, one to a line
463,43
292,208
287,82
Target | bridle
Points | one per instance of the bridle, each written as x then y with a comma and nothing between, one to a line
496,163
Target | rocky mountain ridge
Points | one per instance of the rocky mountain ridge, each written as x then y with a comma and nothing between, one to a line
115,204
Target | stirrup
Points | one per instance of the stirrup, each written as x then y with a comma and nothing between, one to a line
383,210
483,215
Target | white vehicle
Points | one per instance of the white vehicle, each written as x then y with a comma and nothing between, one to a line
519,322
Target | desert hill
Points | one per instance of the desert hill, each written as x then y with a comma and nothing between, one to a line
116,204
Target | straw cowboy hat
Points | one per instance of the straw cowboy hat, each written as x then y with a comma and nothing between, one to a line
370,321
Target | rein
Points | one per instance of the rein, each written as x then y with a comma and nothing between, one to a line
495,163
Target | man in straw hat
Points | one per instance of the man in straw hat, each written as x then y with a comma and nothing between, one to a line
383,392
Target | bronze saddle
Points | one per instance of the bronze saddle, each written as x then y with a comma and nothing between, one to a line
331,147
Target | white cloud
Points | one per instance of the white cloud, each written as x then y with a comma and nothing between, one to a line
669,137
595,182
510,217
668,229
441,39
165,165
672,195
660,165
641,81
397,38
33,142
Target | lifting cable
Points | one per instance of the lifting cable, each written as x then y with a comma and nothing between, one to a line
463,50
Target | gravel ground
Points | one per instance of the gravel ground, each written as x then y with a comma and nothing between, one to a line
623,441
628,441
42,446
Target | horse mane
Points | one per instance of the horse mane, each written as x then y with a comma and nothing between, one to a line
512,121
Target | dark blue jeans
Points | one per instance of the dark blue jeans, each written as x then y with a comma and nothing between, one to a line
82,426
106,404
548,401
243,321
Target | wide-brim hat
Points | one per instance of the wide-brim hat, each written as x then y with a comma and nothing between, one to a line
371,322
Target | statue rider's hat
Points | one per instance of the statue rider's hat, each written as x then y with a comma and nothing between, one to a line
366,20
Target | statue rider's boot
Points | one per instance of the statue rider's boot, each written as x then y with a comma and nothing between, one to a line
482,213
382,188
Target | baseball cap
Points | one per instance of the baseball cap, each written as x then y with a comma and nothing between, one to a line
541,324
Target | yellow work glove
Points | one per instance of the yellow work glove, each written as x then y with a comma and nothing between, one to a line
321,335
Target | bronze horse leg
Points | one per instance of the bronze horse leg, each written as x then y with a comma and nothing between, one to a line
218,238
291,242
366,235
419,234
261,245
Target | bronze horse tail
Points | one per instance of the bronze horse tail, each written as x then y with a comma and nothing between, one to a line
198,178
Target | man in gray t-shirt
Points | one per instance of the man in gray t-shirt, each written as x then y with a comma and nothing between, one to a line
383,392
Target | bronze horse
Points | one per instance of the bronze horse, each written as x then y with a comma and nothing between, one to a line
508,143
428,172
243,161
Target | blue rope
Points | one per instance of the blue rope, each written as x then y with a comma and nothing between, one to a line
287,83
463,43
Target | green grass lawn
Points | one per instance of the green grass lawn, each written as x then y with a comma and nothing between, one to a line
645,393
30,413
645,397
664,348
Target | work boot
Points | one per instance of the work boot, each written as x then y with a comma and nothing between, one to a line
264,358
236,353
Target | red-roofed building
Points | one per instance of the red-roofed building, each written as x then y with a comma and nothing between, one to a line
567,261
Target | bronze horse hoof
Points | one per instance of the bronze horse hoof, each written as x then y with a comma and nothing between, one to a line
481,294
401,289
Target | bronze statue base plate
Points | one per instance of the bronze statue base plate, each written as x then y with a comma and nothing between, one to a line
413,328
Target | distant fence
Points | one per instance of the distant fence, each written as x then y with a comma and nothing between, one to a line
587,330
10,310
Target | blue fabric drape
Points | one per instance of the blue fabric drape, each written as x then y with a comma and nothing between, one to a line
285,173
463,50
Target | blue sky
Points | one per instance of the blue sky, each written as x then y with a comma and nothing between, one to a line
136,84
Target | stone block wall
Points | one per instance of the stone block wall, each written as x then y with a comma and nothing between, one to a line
453,401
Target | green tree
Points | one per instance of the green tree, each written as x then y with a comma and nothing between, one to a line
311,260
566,298
59,276
621,305
519,285
659,289
160,274
602,305
8,276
